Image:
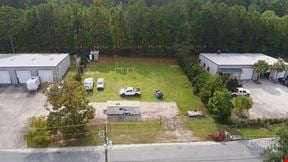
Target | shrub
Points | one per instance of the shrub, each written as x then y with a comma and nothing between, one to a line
38,135
199,81
218,136
231,84
220,105
77,77
214,83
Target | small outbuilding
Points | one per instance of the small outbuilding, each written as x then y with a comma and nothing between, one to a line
238,65
123,107
94,55
18,68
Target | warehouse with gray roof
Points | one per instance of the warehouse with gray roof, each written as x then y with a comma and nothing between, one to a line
238,65
18,68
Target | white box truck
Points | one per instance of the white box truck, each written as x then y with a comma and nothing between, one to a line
123,107
33,83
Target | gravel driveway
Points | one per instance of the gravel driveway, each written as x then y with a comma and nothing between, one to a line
270,100
165,111
149,110
16,106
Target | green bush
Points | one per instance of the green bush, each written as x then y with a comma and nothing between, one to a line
77,77
231,83
199,81
220,105
214,83
38,135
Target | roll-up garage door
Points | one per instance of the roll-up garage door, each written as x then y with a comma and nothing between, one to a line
23,76
46,75
5,77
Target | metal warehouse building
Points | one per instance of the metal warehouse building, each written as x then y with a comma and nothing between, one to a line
18,68
237,64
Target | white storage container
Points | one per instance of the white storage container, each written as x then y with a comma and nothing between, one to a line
33,83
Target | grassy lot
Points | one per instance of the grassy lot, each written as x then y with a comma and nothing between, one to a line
119,133
151,74
252,133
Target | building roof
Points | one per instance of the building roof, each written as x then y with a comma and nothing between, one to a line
123,103
31,60
238,58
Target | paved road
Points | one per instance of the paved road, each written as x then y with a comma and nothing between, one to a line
238,151
16,106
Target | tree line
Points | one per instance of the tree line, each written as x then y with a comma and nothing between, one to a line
143,27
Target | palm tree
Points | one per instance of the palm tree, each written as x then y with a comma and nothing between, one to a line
260,67
279,67
242,104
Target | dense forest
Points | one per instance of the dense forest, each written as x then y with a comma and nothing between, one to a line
150,27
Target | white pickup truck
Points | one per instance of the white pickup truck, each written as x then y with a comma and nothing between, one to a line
241,92
130,91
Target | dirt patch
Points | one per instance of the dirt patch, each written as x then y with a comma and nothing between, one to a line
158,110
148,110
99,110
172,128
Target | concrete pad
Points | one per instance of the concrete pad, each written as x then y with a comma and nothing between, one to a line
16,106
270,100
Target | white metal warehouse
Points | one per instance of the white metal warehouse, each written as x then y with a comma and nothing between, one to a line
18,68
239,65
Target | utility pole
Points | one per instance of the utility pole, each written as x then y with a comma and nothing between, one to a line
106,143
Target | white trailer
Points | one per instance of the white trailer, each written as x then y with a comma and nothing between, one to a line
123,107
33,83
88,84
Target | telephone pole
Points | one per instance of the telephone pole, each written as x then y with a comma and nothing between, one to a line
106,143
103,134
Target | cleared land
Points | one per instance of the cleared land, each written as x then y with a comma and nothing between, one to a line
151,74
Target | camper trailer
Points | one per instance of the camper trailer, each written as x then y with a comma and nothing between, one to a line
123,107
88,84
33,83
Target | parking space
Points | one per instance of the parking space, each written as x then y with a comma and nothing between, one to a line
270,100
16,106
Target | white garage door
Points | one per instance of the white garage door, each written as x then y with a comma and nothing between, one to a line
5,77
23,76
46,75
246,73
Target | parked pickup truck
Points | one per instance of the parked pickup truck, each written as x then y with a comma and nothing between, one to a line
241,92
130,91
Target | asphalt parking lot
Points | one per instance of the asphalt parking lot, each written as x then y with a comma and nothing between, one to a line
16,106
270,100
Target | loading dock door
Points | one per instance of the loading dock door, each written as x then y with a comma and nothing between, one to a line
5,77
46,76
23,76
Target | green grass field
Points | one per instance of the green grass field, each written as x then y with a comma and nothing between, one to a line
150,74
